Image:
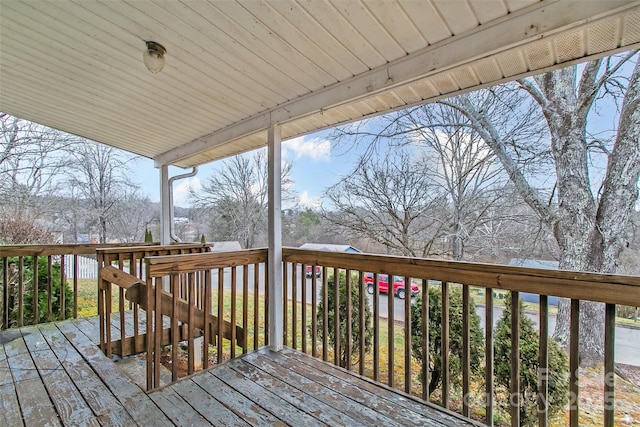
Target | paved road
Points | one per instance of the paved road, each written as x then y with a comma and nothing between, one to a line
627,339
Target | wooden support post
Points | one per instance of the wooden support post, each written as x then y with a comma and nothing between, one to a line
165,206
276,328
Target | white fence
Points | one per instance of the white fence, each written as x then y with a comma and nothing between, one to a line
87,267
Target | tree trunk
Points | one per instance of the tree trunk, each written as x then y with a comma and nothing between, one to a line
591,236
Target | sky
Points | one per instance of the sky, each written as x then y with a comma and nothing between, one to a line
314,168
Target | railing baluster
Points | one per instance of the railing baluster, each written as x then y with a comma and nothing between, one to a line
515,360
303,328
21,291
336,315
63,309
159,326
49,288
220,313
234,296
543,363
207,319
444,355
256,305
245,307
314,312
390,331
362,325
425,339
325,313
574,362
294,306
75,286
174,284
609,364
407,334
266,303
466,351
121,307
348,304
285,302
35,305
150,326
488,355
376,326
191,357
5,293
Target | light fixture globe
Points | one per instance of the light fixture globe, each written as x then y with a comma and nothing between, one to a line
153,57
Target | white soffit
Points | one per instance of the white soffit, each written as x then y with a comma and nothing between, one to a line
232,68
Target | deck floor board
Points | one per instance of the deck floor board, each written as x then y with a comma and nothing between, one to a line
34,401
55,374
8,397
94,391
71,407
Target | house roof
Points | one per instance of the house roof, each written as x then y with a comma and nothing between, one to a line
329,247
225,246
534,263
234,68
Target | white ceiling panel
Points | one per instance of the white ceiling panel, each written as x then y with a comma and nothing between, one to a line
233,68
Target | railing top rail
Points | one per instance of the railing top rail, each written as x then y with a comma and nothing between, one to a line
142,247
173,264
64,249
610,288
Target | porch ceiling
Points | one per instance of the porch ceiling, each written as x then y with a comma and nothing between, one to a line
232,68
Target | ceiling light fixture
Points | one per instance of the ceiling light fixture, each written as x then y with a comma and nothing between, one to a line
154,57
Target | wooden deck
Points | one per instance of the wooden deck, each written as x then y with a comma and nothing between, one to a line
54,374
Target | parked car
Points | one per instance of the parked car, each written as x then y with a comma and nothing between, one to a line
383,285
309,270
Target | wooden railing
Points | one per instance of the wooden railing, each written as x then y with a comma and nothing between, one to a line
56,283
190,300
129,260
313,331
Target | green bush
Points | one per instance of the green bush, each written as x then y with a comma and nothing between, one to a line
529,345
355,318
455,335
43,292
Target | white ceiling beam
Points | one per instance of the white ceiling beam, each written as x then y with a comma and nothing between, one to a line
527,25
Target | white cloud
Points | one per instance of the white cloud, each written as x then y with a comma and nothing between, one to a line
317,149
181,190
306,201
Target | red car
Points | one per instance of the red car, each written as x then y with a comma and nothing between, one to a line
383,285
309,270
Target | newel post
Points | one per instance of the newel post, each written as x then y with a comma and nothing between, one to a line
274,260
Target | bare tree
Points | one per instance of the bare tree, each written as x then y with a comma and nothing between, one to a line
392,201
31,157
460,163
588,216
236,198
99,176
131,215
455,164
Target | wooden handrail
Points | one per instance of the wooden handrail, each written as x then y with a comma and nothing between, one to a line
118,277
69,249
607,288
174,264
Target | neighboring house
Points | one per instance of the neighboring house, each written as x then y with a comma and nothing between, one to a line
535,263
330,248
225,246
